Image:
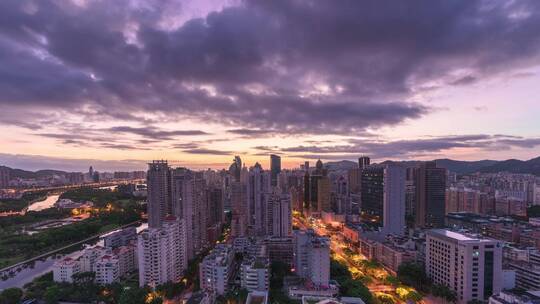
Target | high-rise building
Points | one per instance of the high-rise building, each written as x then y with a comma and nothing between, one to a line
410,192
383,197
363,162
354,180
279,215
159,203
162,253
467,264
189,202
215,206
312,257
255,273
4,177
430,196
275,169
307,192
257,187
239,210
216,270
236,168
324,187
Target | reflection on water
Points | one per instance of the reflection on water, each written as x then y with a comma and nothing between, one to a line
44,204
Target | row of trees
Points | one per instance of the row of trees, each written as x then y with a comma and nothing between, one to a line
414,275
27,246
278,271
18,204
84,290
124,210
349,287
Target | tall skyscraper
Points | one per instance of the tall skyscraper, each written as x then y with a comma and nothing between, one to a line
363,162
239,210
158,202
354,180
236,168
323,194
383,197
410,192
307,192
189,202
257,187
162,253
275,169
430,196
215,206
394,199
469,265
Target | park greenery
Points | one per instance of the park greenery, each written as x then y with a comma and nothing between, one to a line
111,210
101,198
11,296
13,223
18,247
18,204
84,290
278,271
349,287
413,274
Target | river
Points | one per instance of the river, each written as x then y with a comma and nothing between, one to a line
44,204
40,267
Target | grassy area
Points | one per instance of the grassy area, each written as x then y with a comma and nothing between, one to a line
23,246
112,210
100,197
15,223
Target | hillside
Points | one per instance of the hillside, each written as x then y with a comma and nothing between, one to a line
531,166
19,173
464,167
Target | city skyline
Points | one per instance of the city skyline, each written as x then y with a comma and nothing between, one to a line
117,84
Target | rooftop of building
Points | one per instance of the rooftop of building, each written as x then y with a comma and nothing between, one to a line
196,298
458,236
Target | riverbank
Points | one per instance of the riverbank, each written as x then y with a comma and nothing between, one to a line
25,271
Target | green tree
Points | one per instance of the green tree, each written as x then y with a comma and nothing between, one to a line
413,274
392,280
52,294
11,296
133,295
442,291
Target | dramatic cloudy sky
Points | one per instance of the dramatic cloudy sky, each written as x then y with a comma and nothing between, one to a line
197,82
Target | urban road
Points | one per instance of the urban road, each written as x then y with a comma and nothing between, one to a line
337,245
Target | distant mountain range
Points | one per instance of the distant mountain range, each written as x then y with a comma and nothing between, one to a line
19,173
531,166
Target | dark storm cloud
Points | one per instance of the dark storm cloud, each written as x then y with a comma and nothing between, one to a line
322,67
250,132
207,151
155,133
404,148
